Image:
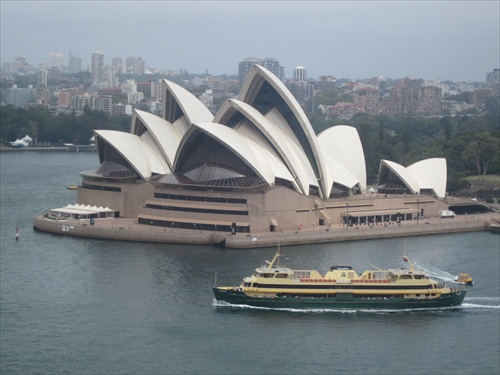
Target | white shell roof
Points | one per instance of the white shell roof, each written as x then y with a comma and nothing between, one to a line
342,143
248,89
293,156
425,174
404,174
131,148
158,161
431,174
193,109
248,151
163,133
341,175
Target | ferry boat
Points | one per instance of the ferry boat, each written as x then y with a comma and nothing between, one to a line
464,278
276,286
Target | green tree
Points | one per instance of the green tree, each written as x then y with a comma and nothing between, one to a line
481,151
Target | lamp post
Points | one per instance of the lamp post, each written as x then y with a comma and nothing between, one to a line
347,220
418,210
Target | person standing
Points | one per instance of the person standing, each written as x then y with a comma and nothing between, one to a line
17,232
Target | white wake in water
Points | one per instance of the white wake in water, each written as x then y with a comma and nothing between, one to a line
467,305
223,304
436,273
475,306
481,303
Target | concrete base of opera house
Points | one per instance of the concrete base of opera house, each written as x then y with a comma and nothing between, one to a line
129,230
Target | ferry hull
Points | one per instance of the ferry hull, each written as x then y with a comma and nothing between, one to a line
236,297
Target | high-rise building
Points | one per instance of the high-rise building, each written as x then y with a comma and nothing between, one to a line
139,67
300,73
41,77
56,60
130,65
274,67
117,63
493,77
75,64
156,89
109,76
366,97
96,67
20,97
269,63
54,76
93,102
429,100
245,65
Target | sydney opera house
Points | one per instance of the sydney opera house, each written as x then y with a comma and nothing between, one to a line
257,166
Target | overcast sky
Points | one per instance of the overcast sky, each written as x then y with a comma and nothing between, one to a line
456,40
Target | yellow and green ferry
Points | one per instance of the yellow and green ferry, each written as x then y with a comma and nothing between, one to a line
276,286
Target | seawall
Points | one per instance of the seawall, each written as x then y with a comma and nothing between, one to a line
352,234
128,230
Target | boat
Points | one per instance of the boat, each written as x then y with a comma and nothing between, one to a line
276,286
464,278
72,187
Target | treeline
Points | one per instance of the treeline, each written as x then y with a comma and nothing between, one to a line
39,124
470,144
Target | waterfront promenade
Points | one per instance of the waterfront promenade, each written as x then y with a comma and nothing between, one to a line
129,230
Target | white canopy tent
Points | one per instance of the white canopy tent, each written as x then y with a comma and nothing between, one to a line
81,211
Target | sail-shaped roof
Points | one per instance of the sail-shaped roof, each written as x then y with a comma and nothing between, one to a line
264,91
248,152
129,146
178,102
428,174
343,144
162,132
431,175
233,111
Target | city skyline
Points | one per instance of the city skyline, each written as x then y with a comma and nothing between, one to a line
451,40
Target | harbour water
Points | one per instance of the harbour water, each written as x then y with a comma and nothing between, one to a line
85,306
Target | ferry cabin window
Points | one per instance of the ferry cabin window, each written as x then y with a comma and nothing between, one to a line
302,274
265,275
281,276
402,277
380,275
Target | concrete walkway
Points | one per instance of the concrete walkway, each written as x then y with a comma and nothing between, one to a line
129,230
